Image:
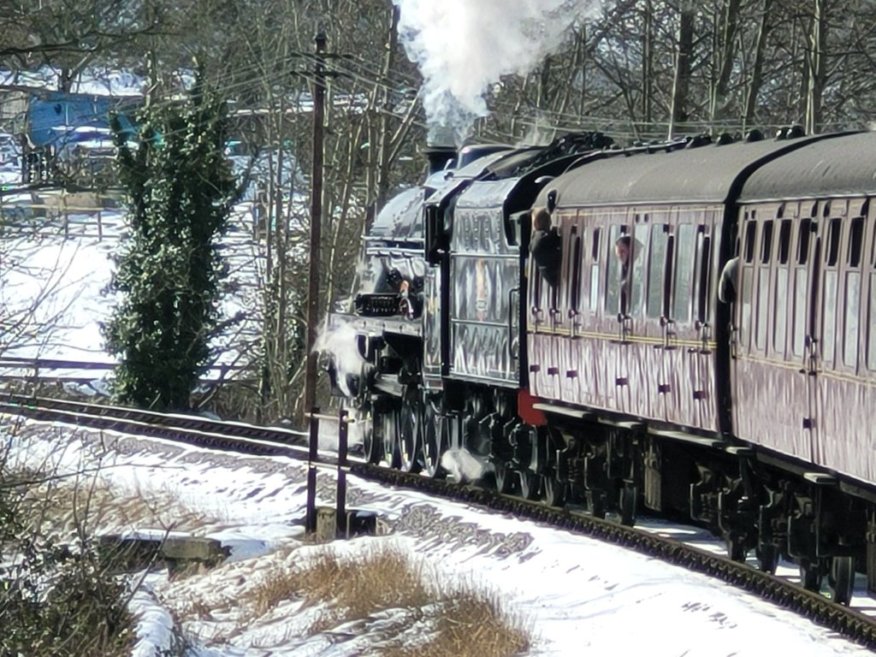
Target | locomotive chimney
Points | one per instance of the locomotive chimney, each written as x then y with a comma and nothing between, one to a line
439,156
440,148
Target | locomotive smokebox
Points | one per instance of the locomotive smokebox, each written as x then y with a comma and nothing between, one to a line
439,157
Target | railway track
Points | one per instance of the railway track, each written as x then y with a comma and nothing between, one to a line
250,439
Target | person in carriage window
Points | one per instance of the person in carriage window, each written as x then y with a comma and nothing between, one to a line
546,246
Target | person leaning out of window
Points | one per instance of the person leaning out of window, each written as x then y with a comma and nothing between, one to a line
546,246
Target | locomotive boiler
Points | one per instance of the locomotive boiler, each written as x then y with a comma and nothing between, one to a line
701,340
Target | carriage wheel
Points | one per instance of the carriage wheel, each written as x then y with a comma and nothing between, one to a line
554,490
505,478
767,558
810,575
842,579
627,505
529,484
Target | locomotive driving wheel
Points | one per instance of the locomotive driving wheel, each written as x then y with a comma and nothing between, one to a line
410,432
372,441
432,441
389,434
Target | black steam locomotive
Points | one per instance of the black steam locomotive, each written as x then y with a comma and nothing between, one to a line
698,338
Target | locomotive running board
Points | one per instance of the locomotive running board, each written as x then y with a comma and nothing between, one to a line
562,410
711,443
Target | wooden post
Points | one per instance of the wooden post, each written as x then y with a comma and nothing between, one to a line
312,457
341,496
315,220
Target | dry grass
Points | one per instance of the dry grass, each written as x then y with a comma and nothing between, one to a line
63,505
458,623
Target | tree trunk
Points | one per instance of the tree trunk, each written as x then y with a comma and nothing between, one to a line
681,84
725,52
816,70
648,63
757,67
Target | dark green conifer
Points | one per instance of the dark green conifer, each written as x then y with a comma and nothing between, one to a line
168,279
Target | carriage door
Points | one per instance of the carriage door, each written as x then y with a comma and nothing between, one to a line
810,332
703,351
824,344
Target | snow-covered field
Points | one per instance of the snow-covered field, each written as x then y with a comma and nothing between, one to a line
578,596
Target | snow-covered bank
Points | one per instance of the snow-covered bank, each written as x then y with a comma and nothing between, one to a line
579,596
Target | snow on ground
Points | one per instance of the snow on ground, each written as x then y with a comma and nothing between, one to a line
577,595
66,265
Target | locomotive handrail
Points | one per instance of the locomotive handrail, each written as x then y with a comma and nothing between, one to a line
511,293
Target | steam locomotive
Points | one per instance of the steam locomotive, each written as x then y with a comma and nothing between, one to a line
701,340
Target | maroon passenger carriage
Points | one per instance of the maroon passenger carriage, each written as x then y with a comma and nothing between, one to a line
632,386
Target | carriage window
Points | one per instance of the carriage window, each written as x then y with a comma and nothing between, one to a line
801,297
766,245
575,295
784,241
705,250
686,254
856,242
780,324
750,234
745,326
636,269
594,273
828,317
803,241
833,242
656,267
763,296
851,313
613,273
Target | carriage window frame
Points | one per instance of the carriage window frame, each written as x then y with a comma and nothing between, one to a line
685,263
657,288
577,266
595,269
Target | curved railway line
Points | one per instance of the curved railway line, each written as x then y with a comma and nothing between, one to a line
249,439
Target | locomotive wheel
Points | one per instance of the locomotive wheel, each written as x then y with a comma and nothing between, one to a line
391,453
767,558
432,442
554,490
529,482
372,441
841,579
810,575
410,433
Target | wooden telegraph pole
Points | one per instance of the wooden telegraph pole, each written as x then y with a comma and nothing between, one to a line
315,220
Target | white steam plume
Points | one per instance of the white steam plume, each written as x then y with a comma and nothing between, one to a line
340,344
464,46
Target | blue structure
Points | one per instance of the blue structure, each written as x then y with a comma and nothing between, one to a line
52,114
